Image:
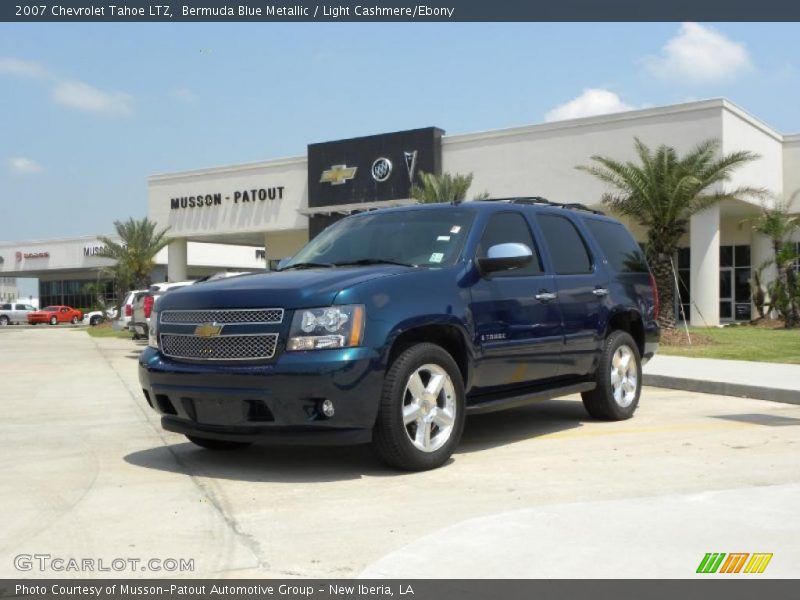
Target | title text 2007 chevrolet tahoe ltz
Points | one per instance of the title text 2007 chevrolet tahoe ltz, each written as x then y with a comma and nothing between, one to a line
391,326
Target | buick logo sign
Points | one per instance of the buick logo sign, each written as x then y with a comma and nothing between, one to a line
381,169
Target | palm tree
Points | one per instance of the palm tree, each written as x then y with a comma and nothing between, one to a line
443,188
662,192
135,253
777,222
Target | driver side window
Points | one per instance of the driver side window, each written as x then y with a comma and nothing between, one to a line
505,228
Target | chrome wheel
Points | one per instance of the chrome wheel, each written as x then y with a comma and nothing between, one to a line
429,407
624,376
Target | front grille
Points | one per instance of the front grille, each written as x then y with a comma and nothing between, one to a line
224,347
236,315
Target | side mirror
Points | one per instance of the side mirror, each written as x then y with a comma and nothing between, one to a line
283,262
504,257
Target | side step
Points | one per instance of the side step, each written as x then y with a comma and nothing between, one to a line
528,397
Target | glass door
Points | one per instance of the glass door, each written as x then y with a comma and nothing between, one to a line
734,283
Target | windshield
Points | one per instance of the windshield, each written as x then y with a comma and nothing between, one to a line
429,238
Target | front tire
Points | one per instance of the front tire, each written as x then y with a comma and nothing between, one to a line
210,444
618,378
421,415
53,321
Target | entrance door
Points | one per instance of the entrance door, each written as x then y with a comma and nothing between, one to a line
734,283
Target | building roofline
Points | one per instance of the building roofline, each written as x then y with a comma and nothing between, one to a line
630,115
76,238
793,138
250,166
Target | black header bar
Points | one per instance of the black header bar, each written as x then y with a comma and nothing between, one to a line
397,10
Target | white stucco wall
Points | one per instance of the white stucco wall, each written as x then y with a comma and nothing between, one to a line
791,165
232,216
541,159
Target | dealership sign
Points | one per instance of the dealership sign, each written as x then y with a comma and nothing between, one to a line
93,249
237,196
21,255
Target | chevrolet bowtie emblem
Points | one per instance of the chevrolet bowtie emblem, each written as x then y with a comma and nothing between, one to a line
207,330
338,174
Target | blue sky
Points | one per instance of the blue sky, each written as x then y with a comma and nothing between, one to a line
90,110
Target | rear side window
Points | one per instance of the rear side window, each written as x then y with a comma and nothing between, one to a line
621,250
19,307
5,307
505,228
567,248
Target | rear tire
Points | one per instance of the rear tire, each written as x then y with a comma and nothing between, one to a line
4,320
74,320
618,378
94,321
421,415
210,444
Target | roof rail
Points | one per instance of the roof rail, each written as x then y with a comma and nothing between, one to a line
546,202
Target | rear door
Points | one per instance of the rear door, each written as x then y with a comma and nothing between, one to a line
517,320
20,313
581,291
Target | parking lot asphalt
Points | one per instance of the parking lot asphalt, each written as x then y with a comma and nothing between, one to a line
541,491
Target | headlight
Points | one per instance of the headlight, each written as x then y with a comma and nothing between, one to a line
330,327
152,332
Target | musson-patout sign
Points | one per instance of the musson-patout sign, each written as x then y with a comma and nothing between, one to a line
237,197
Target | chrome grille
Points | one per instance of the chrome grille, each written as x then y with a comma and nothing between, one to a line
237,315
224,347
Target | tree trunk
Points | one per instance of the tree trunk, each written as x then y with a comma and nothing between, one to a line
661,266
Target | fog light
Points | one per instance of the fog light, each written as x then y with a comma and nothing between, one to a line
326,407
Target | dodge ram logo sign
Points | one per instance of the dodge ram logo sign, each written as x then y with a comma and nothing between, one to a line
381,169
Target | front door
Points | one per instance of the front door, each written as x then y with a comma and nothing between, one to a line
516,313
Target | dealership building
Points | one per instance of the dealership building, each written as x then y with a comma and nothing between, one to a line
267,210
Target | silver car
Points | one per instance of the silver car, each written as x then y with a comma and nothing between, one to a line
14,313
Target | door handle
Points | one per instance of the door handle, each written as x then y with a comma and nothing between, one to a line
600,292
546,296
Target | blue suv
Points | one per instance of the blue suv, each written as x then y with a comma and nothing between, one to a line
391,326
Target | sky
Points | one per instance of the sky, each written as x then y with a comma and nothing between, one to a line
89,111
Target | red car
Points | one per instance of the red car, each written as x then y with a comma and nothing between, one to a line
55,315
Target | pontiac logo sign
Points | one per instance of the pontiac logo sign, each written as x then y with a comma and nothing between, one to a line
338,174
207,330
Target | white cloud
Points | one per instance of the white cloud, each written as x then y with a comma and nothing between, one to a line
183,94
21,68
23,166
593,101
80,95
699,54
69,92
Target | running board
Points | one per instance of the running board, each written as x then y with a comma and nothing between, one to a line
503,403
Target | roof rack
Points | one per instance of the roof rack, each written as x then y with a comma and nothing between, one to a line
546,202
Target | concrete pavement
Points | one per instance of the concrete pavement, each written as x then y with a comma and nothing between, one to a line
88,473
761,380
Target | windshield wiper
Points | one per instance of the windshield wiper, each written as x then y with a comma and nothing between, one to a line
374,261
308,265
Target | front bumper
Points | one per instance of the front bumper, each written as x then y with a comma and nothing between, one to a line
276,403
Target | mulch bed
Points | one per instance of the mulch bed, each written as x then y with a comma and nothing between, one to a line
677,337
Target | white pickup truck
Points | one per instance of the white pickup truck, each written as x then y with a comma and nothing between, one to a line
16,312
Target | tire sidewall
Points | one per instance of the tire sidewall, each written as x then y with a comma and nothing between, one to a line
4,320
390,419
613,342
53,321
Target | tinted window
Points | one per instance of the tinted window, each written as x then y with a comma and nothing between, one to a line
621,250
5,307
508,227
19,307
567,248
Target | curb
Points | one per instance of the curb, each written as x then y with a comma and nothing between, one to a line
723,388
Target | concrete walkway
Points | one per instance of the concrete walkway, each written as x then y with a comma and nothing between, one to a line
760,380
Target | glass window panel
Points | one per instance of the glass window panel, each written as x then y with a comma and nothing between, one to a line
567,248
742,285
743,312
742,256
510,227
726,256
684,258
725,284
725,310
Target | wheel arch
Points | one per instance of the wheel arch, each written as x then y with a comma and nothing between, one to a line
630,321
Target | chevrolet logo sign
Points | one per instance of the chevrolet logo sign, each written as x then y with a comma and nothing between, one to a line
208,330
338,174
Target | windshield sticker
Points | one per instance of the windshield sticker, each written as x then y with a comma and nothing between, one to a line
436,257
455,229
443,238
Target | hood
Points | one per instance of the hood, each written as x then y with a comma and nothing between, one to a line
302,288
